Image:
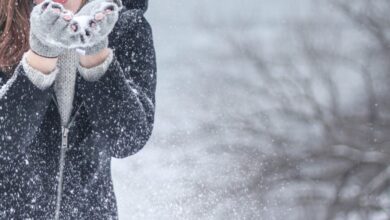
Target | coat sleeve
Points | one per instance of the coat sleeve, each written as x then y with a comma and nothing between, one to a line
121,101
23,105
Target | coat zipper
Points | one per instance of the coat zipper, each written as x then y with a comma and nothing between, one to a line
64,148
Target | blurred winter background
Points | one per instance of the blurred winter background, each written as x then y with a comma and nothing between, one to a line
265,110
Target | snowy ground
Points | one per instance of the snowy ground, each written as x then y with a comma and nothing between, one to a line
178,175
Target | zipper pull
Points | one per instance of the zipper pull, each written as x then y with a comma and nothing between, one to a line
64,135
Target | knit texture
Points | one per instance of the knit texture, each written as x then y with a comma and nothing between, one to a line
64,78
42,48
95,48
95,73
39,79
65,83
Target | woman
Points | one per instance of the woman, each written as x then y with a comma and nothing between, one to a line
77,87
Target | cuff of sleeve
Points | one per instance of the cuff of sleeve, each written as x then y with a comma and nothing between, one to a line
96,72
39,79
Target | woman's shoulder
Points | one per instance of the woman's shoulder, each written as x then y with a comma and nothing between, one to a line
130,23
136,4
3,77
130,17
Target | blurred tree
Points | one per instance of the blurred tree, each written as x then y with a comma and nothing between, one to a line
312,112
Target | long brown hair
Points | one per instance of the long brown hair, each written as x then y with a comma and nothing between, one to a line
14,32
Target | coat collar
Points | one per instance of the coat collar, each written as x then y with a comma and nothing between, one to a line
136,4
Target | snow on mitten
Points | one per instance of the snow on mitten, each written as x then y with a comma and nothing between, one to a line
50,30
97,19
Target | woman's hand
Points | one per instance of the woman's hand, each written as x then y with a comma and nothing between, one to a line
93,60
51,30
98,19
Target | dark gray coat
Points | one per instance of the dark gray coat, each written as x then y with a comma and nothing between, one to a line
113,117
